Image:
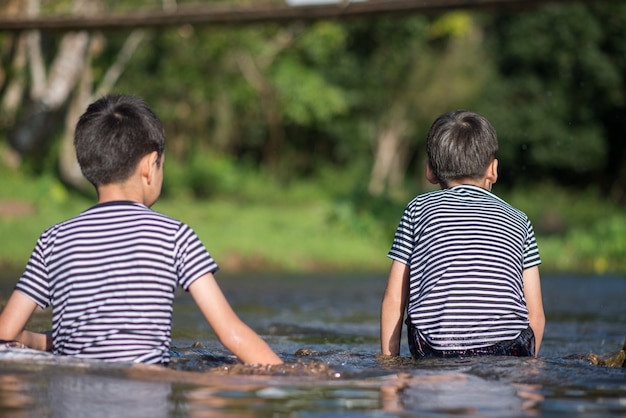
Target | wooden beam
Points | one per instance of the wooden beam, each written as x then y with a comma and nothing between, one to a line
249,13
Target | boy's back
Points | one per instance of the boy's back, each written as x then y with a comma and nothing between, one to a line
110,275
465,262
465,247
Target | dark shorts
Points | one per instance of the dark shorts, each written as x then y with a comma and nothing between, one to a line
522,346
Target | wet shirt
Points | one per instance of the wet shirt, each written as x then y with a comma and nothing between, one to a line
466,249
110,275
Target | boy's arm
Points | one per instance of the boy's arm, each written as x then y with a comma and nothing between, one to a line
534,303
232,332
392,309
13,319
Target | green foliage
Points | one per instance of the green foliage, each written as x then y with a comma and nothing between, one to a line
251,223
305,95
288,98
576,232
558,75
284,119
201,177
323,42
602,246
40,201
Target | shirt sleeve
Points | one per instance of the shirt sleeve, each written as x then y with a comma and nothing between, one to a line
34,281
192,260
404,240
531,251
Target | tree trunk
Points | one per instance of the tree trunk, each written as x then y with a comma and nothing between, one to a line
49,93
389,163
67,86
16,49
70,171
31,134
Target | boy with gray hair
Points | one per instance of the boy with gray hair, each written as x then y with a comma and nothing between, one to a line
465,262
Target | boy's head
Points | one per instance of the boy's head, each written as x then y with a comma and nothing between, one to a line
113,135
460,145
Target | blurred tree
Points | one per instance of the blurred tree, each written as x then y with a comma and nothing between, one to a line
236,91
290,98
49,88
410,71
561,91
57,70
293,97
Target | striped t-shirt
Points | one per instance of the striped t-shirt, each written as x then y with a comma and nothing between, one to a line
110,275
466,249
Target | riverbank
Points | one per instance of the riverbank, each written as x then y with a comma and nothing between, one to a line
306,227
243,236
240,237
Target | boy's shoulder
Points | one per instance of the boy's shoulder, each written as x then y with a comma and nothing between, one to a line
431,196
462,194
113,211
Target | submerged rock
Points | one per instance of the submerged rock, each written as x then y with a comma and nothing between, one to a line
615,360
302,352
611,360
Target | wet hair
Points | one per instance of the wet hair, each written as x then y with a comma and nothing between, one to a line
461,145
113,135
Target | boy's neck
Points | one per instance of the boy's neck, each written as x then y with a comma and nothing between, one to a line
120,191
486,181
142,186
105,194
482,183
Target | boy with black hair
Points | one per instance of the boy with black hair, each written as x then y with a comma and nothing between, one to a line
110,273
465,266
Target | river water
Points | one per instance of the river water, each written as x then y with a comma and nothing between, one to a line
326,329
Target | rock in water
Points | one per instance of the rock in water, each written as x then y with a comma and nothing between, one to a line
613,360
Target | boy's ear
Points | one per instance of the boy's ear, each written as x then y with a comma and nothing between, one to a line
491,174
430,175
492,171
148,166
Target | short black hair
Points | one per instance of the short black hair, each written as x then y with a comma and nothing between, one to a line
112,136
460,145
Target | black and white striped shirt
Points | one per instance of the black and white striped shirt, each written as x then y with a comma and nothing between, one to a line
110,275
466,249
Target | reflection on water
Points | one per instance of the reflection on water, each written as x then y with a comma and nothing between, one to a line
326,328
14,394
69,394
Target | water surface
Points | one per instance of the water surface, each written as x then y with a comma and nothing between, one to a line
326,329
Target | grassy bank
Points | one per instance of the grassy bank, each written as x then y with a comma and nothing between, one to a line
314,227
290,234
